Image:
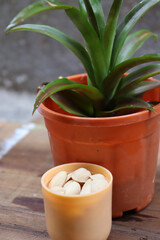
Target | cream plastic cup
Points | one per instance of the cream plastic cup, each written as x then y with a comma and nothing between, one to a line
87,217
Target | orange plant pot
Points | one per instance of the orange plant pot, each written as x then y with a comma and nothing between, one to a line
126,145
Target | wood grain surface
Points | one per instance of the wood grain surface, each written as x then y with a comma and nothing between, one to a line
21,203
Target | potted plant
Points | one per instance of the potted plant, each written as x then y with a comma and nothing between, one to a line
106,116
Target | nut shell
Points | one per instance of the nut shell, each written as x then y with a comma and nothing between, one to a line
81,175
58,180
87,188
72,188
58,190
98,185
97,176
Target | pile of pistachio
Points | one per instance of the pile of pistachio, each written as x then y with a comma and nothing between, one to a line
78,182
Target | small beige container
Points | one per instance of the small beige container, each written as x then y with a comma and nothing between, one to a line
87,217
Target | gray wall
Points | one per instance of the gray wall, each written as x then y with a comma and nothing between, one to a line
28,59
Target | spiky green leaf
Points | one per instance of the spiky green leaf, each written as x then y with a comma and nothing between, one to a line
132,43
91,16
92,42
82,8
71,101
35,8
65,39
65,84
74,103
99,14
110,30
144,87
126,106
128,23
133,79
112,81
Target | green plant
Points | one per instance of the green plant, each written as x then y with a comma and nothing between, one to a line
106,55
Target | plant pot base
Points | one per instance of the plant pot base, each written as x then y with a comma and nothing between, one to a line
120,214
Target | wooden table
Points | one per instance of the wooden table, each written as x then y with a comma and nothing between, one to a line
24,157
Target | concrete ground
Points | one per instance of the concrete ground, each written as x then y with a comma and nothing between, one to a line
16,106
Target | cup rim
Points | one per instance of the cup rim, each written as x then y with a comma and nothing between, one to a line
76,196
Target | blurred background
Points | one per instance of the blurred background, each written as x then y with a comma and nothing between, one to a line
27,59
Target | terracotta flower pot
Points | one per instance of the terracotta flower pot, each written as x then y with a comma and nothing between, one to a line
126,145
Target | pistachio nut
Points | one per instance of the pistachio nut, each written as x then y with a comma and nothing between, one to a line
58,190
87,187
99,184
58,180
72,188
81,175
97,176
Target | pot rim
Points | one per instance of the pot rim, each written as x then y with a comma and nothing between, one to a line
97,121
